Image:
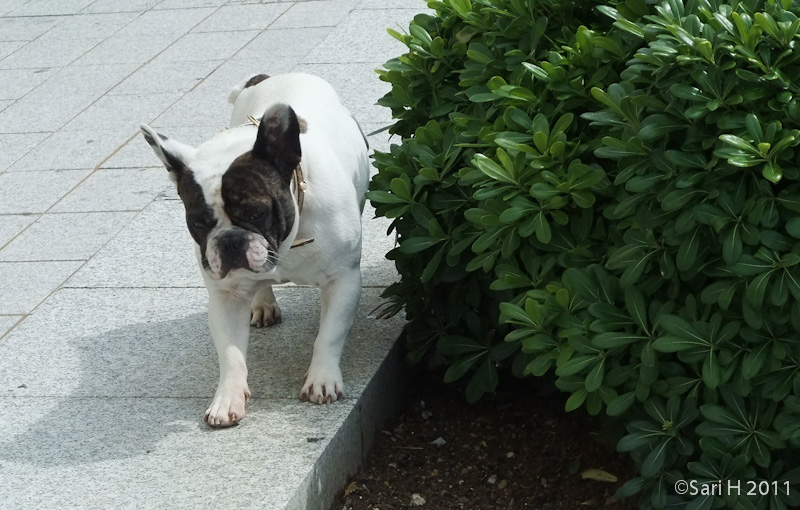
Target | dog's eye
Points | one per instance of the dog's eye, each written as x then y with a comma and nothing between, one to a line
255,217
201,225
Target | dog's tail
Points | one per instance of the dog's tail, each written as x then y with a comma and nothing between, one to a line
235,93
252,80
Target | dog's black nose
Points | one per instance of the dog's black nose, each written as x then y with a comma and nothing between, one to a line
231,243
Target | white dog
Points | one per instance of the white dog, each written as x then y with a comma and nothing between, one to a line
270,202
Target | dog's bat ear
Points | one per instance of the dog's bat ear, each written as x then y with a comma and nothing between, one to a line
278,139
172,153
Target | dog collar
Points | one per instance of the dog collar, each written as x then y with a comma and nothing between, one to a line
300,185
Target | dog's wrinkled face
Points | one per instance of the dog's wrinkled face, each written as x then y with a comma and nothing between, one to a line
260,213
238,199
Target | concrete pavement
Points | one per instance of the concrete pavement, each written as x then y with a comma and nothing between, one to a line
106,363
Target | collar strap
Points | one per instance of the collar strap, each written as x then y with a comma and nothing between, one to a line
299,184
301,242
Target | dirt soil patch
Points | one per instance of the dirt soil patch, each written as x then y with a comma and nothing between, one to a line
517,449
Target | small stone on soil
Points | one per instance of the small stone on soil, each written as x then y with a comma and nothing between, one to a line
417,500
350,489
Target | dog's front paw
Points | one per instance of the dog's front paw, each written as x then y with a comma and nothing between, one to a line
323,385
228,406
265,314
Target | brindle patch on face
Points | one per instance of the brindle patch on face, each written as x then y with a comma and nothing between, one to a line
257,198
199,216
255,80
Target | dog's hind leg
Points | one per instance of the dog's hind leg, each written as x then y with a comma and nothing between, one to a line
264,311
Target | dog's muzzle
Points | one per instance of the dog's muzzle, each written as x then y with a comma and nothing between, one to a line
237,248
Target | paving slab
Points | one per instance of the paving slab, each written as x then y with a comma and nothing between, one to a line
193,110
35,192
39,53
160,75
75,149
205,109
10,5
322,13
15,145
30,283
207,104
127,48
231,73
242,17
50,7
190,4
172,21
154,250
38,111
15,83
95,25
121,113
12,224
7,322
362,37
106,6
65,236
9,47
286,42
26,28
136,153
417,5
208,45
124,189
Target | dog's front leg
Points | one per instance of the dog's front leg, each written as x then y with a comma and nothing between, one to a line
229,321
339,303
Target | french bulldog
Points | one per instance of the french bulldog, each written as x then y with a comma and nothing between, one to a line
277,197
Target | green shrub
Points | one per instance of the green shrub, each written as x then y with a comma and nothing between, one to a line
611,193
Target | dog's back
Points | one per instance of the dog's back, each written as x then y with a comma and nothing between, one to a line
258,92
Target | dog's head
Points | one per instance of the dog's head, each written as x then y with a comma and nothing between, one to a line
239,205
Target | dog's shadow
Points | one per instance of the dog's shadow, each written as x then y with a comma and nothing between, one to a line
137,385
